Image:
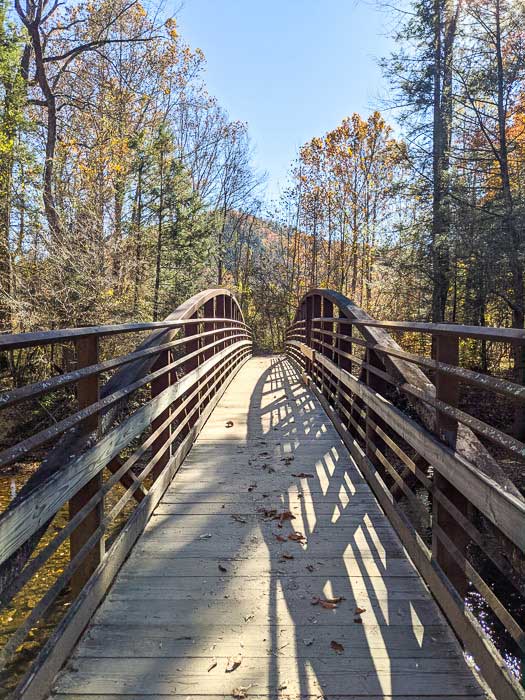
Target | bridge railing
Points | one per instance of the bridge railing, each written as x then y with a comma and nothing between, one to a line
68,530
435,468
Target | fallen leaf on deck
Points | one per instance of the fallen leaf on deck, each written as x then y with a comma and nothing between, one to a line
283,685
296,537
247,618
279,538
303,475
229,424
241,691
358,611
222,568
285,515
267,512
287,556
212,665
358,620
233,663
238,519
328,604
338,648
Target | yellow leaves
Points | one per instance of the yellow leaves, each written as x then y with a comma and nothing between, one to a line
171,28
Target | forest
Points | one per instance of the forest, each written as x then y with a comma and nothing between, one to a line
125,187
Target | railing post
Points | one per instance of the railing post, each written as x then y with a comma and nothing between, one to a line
228,314
327,311
191,364
308,332
377,384
87,394
209,312
344,329
446,350
159,385
316,313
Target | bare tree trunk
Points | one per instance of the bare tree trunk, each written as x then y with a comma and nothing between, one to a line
159,240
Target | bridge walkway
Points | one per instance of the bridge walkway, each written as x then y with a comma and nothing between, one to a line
268,570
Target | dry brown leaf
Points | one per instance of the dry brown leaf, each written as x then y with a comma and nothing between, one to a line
338,648
358,611
267,513
222,568
241,691
296,537
328,604
287,556
233,663
212,665
285,515
279,538
337,599
303,475
239,519
229,424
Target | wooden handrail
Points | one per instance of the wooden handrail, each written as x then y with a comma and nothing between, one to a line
359,372
502,335
187,363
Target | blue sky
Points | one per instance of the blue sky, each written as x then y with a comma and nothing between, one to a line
292,69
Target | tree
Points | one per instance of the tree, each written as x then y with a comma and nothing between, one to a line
13,59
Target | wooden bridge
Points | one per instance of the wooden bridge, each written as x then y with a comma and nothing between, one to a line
306,525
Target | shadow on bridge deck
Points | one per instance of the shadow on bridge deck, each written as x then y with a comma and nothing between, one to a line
215,576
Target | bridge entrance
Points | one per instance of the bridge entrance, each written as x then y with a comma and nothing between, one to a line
254,526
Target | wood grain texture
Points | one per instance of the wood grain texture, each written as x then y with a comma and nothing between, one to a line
215,574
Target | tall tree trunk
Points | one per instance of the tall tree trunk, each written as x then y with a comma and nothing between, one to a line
509,222
137,226
159,240
445,26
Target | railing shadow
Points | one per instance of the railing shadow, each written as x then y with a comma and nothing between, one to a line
389,649
350,551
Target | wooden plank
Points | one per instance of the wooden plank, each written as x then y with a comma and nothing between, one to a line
96,676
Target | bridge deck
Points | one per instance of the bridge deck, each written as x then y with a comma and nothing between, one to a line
212,578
